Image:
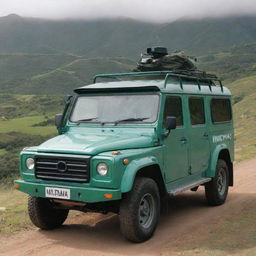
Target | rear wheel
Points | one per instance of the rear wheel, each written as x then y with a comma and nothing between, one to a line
139,210
216,191
43,214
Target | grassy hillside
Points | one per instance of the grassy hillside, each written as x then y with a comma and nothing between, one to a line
25,120
53,74
60,74
244,91
233,64
122,37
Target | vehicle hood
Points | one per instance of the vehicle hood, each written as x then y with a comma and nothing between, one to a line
95,143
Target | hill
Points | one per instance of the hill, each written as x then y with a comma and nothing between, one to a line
232,64
61,73
53,74
122,37
244,116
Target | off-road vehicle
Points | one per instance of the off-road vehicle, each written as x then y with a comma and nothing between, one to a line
126,143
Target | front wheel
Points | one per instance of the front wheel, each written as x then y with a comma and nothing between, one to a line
43,214
139,210
216,190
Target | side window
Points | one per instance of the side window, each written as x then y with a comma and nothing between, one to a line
173,107
196,108
221,110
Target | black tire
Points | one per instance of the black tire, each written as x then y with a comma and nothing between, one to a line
140,210
44,215
216,190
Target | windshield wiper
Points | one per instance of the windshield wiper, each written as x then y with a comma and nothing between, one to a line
87,119
131,120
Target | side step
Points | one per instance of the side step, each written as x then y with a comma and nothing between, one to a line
188,186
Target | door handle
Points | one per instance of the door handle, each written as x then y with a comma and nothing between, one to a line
183,140
205,135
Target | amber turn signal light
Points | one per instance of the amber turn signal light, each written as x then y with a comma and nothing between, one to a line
108,196
116,152
16,186
126,161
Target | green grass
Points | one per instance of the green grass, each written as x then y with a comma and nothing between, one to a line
25,125
16,106
15,217
2,151
244,117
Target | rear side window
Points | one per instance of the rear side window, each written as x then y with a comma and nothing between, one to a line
221,110
173,107
196,108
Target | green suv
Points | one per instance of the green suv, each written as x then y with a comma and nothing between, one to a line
126,143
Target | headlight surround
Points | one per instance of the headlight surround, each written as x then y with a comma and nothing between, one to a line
102,169
30,163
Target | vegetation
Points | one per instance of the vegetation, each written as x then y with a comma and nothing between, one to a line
43,71
13,215
25,120
231,65
245,117
122,37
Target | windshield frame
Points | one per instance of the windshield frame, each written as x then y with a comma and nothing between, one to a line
112,123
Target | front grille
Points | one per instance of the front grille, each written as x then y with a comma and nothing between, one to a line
62,168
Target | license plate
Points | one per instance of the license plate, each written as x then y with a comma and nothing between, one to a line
60,193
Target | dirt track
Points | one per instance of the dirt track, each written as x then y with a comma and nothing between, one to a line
187,219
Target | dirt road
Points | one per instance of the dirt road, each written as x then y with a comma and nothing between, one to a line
187,219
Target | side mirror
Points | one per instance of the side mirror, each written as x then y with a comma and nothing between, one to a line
170,123
58,120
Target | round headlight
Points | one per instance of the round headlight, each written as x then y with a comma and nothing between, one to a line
102,169
30,163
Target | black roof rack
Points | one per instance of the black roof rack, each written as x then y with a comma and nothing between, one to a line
197,75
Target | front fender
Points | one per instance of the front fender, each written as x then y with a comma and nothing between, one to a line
132,169
214,158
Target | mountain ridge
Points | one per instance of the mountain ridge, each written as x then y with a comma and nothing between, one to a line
122,37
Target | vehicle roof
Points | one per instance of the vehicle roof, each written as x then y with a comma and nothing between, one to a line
185,85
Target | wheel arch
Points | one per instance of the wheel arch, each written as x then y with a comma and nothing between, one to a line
154,172
225,155
145,167
221,152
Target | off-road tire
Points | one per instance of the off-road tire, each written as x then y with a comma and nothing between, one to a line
216,190
136,223
43,215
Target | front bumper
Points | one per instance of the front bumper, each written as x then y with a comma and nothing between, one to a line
80,194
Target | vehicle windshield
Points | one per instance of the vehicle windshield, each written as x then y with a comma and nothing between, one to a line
116,109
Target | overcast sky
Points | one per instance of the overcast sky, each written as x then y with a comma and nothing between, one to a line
149,10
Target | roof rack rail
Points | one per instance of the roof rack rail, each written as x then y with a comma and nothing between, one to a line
198,76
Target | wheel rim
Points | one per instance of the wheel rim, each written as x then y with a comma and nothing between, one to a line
146,211
222,181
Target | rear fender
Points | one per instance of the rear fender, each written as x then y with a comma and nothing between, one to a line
214,159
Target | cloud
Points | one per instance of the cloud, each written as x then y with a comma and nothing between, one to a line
148,10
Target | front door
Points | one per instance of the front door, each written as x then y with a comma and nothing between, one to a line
176,144
198,136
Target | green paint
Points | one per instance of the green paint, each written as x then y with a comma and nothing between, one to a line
144,144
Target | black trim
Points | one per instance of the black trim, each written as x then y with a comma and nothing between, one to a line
197,98
230,111
77,170
117,89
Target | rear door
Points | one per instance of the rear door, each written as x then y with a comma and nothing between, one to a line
198,135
